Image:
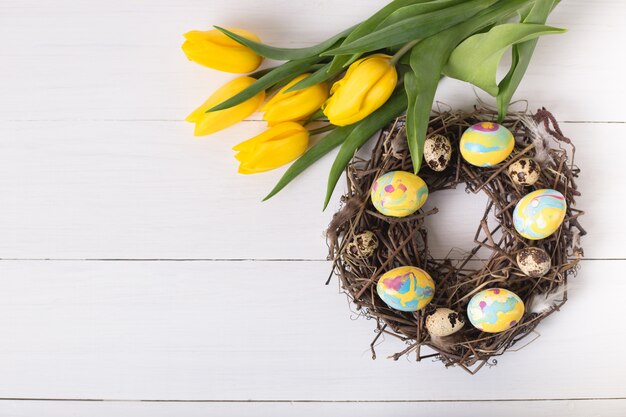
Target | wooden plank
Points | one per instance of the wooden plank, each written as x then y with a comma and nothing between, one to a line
586,408
75,60
150,190
267,331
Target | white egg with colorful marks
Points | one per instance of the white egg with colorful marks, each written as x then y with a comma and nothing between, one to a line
486,144
398,193
495,310
539,214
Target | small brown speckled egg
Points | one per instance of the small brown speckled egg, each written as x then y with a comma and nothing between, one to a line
363,245
437,152
444,322
534,262
524,172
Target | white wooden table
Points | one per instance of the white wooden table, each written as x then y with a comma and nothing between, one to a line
141,276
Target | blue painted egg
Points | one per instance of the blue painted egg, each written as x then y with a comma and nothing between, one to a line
486,144
539,214
406,288
495,310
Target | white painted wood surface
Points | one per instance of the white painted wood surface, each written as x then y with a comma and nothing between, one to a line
136,265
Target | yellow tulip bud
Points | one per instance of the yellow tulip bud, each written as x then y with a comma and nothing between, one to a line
367,85
213,49
295,105
275,147
207,123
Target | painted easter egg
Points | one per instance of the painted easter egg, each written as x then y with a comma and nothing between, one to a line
539,214
406,288
398,193
444,322
495,310
437,152
486,144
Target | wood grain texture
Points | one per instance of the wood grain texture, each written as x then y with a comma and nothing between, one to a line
571,408
95,163
244,331
120,60
149,190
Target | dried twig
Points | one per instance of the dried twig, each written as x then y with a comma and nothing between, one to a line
404,241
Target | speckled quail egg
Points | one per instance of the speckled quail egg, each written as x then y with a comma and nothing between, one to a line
363,245
444,322
524,172
534,262
437,152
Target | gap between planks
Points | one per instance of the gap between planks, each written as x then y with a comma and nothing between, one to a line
503,400
218,260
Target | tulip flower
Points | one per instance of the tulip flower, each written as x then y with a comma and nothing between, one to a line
367,85
273,148
207,123
214,49
295,105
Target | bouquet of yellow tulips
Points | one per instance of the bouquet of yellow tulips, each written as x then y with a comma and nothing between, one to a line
362,78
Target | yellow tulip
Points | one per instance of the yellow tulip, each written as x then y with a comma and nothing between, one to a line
367,85
295,105
207,123
213,49
275,147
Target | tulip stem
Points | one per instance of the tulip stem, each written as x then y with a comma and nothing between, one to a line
323,129
315,116
406,48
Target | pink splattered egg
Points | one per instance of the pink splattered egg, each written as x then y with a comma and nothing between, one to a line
398,193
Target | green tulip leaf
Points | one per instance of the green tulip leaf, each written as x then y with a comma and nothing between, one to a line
416,27
317,77
521,55
286,71
428,59
313,154
477,58
361,133
365,28
285,54
416,10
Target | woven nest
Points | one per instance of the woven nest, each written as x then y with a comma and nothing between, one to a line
364,243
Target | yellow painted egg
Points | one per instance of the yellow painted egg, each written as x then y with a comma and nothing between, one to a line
406,288
486,144
495,310
539,214
398,193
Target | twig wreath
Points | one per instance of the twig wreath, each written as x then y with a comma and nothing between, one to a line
365,244
361,80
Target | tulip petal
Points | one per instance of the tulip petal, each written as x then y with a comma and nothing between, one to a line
215,50
297,105
278,74
275,147
207,123
367,85
321,148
